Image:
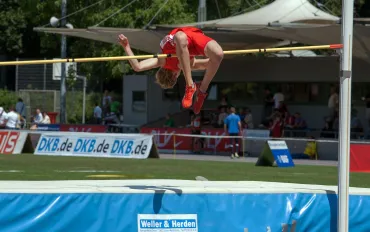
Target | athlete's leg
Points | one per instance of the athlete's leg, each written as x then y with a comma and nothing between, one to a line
215,54
182,53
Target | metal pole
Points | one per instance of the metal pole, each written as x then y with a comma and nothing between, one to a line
202,12
16,77
345,115
84,102
44,75
63,95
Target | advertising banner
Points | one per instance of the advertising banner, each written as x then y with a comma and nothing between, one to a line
275,152
359,158
167,223
48,127
95,145
12,142
83,128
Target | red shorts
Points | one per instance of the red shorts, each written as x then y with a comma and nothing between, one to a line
197,42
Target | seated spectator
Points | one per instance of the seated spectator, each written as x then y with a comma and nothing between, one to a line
169,121
248,119
299,122
221,118
38,117
327,131
276,127
46,118
2,118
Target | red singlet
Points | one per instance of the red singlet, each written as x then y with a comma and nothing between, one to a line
197,42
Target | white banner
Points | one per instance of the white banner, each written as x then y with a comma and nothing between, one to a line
101,145
167,223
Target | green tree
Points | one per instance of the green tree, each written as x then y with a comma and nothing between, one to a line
12,22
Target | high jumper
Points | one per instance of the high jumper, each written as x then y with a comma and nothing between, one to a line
186,43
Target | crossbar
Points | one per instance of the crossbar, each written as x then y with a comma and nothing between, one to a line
140,57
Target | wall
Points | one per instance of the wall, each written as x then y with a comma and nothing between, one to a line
308,69
133,83
157,106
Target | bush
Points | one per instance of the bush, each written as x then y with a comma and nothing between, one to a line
7,99
75,105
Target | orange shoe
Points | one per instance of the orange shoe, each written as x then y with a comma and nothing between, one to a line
187,100
199,101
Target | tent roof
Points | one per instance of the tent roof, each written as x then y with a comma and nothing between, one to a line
242,37
279,11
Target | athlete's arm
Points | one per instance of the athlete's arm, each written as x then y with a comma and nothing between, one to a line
199,64
135,64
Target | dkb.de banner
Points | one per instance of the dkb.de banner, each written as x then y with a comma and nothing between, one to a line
103,145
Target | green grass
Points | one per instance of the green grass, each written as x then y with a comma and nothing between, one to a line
54,168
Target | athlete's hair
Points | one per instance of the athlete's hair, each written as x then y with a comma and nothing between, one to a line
165,78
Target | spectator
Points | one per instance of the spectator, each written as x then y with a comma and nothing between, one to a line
327,131
242,113
169,121
12,119
333,104
269,103
46,118
196,125
221,117
233,127
107,100
276,127
289,120
38,117
356,126
278,98
224,103
2,118
97,113
20,108
299,122
114,107
248,120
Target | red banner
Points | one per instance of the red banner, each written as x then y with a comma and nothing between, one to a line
164,139
8,140
360,158
83,128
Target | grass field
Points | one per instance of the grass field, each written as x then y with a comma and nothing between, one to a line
31,167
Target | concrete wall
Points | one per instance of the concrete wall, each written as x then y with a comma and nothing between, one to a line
156,105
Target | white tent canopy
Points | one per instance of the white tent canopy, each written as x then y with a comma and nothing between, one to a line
279,11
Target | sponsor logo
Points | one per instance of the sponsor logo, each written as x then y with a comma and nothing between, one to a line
8,140
92,145
283,159
167,222
277,145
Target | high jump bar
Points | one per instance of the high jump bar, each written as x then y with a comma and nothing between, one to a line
140,57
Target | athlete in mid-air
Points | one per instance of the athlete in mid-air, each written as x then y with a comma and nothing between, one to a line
186,43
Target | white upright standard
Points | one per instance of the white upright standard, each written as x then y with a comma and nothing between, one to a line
345,115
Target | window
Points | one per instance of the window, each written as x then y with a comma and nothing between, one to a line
139,101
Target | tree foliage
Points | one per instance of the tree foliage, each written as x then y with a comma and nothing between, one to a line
19,17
